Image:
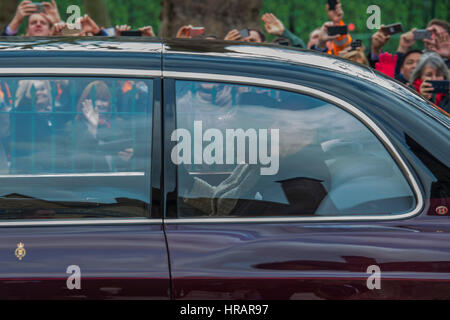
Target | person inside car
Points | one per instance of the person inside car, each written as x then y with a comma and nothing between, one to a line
99,144
37,132
245,191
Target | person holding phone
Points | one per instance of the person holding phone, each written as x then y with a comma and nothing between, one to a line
332,43
246,35
41,18
432,67
440,39
324,39
189,32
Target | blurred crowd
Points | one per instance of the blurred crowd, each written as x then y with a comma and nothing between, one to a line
426,71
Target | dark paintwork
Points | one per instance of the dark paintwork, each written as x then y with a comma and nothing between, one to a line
315,260
321,260
106,255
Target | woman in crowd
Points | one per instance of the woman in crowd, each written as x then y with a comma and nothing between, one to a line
431,67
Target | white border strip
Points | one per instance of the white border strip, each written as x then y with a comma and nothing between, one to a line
324,96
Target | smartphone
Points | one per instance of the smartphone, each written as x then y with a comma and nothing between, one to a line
356,44
332,4
392,29
332,31
131,33
244,33
39,6
197,31
422,34
283,42
440,86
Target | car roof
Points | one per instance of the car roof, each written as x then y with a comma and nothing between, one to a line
140,47
234,49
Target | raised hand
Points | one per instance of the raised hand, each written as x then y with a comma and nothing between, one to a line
88,26
233,35
58,28
25,9
51,10
126,155
120,29
387,64
89,113
440,42
323,35
272,24
184,31
147,31
426,88
379,39
406,41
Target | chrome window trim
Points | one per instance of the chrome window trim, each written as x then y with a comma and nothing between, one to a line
75,222
66,175
323,96
69,72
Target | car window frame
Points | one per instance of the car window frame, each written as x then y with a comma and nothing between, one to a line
170,210
153,213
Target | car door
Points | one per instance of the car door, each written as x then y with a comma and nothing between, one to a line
80,182
286,192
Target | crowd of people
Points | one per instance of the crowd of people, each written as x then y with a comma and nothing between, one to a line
409,66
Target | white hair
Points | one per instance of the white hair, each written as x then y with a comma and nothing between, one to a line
429,59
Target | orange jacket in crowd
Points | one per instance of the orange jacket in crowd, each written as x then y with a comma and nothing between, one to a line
337,45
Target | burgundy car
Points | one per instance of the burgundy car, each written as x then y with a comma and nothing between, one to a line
177,169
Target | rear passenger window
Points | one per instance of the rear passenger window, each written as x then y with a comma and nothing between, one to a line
247,151
74,147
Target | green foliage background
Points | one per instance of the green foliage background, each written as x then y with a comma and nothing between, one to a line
300,16
136,13
303,16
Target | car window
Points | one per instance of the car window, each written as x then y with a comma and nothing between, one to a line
249,151
74,147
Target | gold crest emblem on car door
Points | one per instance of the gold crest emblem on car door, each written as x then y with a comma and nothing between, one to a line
20,251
